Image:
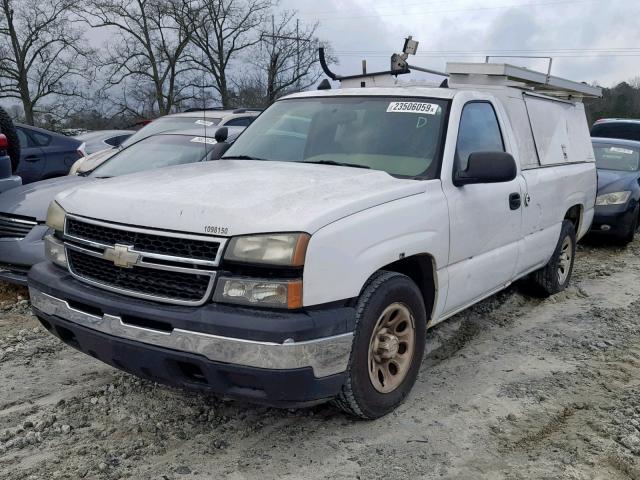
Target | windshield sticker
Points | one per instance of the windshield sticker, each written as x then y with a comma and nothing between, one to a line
210,141
621,150
204,122
413,107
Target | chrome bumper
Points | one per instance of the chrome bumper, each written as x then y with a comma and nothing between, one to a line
326,356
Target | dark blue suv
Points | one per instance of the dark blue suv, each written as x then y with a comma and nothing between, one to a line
45,154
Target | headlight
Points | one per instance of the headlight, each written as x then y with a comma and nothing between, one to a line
282,249
260,292
54,251
615,198
55,216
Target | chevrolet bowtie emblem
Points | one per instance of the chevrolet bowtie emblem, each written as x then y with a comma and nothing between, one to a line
121,256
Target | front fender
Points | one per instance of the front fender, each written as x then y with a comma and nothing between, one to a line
344,254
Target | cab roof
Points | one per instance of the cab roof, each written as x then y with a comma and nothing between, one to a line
392,91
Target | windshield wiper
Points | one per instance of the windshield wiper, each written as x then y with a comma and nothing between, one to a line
333,162
242,157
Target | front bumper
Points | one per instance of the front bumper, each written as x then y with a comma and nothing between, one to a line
18,256
169,344
613,219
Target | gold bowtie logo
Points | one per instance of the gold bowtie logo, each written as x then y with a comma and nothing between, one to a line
121,256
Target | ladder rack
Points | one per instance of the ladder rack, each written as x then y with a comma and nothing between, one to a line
502,74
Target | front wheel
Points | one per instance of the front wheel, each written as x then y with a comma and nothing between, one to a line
388,345
556,274
630,233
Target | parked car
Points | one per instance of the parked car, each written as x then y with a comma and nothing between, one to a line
9,152
617,205
240,117
45,154
307,263
23,210
622,128
103,139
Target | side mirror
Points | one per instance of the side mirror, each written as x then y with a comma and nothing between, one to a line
221,134
487,167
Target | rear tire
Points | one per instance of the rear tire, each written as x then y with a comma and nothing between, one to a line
556,274
388,346
8,129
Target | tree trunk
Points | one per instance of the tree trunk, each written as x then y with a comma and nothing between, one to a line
27,104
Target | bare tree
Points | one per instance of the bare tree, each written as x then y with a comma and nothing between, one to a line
224,29
288,56
42,54
147,52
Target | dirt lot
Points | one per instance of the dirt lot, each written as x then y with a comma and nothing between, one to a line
515,388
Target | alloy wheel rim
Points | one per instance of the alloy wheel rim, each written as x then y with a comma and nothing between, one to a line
391,348
564,264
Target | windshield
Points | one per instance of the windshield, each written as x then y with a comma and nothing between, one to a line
165,124
399,136
155,152
617,157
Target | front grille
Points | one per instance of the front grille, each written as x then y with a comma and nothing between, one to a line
144,242
164,284
15,227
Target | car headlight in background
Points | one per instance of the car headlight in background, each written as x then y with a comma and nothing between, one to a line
55,216
260,292
614,198
281,249
54,251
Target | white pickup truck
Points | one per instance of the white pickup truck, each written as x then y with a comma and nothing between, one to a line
308,263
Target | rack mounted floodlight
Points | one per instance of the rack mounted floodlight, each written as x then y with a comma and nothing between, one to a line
399,66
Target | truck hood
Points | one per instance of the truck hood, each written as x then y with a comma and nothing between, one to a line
241,196
33,200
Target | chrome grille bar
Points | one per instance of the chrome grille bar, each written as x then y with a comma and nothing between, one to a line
126,269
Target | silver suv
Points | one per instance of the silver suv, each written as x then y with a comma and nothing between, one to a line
214,118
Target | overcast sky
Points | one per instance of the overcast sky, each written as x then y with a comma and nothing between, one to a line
590,40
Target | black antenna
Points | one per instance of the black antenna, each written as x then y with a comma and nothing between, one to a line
204,109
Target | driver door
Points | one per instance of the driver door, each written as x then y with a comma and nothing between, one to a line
485,218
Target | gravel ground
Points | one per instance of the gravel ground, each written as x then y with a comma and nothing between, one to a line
514,388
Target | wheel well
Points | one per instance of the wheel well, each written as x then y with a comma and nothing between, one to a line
574,215
420,269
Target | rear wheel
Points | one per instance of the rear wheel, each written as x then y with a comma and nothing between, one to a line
387,347
556,274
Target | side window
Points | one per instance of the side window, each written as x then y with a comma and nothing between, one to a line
41,139
25,141
239,122
479,132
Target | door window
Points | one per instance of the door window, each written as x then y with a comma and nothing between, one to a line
479,132
25,140
41,139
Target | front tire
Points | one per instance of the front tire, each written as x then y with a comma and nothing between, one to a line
630,234
556,274
387,348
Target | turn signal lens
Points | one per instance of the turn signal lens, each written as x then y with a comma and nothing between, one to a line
54,251
260,293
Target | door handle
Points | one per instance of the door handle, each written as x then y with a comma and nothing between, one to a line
514,201
32,158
